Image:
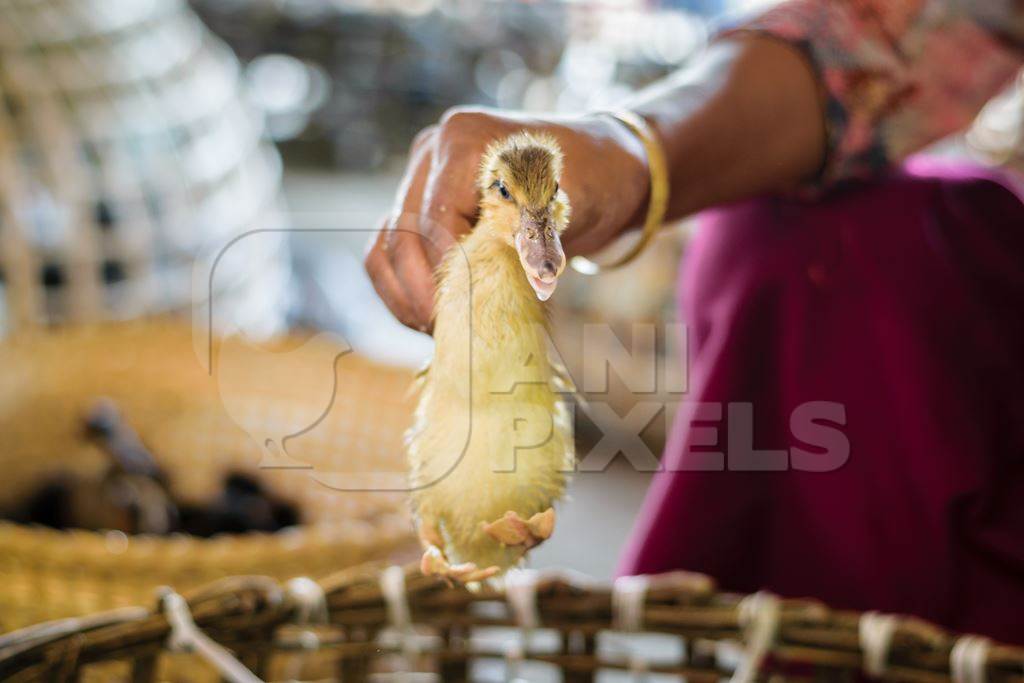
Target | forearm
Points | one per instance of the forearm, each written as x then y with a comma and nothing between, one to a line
748,118
745,119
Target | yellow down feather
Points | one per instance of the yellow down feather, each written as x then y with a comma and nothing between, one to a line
492,430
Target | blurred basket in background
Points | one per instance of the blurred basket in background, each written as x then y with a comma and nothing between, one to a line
199,429
365,621
128,155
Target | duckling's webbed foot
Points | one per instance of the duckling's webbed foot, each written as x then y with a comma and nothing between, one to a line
434,562
512,530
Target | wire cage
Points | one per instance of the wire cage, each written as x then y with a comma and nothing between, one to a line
199,428
128,155
376,623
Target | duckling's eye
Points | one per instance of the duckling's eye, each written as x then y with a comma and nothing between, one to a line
505,194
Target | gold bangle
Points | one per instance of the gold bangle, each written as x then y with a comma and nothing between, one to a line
657,204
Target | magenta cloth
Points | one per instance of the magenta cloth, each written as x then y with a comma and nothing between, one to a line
903,301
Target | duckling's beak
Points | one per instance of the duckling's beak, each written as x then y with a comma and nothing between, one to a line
540,252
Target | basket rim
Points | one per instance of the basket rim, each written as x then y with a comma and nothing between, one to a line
228,609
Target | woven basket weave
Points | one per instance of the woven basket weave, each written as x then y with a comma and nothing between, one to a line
128,153
199,429
371,622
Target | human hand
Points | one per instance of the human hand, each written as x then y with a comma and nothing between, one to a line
605,177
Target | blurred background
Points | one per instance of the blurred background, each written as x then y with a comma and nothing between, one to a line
227,161
162,157
141,136
344,87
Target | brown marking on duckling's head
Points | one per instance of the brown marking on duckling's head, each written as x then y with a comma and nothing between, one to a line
520,198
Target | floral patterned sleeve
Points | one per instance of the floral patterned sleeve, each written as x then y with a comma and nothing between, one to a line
899,74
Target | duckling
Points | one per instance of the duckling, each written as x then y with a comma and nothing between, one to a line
491,446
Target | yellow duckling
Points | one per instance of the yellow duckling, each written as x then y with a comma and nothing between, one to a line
492,447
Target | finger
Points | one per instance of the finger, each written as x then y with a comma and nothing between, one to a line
437,237
450,199
410,188
386,284
447,211
381,261
414,271
450,193
417,243
423,138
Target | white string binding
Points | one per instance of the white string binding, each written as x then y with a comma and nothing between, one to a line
186,636
521,595
629,594
968,659
759,616
310,603
392,587
521,592
875,631
309,600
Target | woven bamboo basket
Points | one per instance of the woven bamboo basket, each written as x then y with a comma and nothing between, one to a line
199,427
129,153
372,623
